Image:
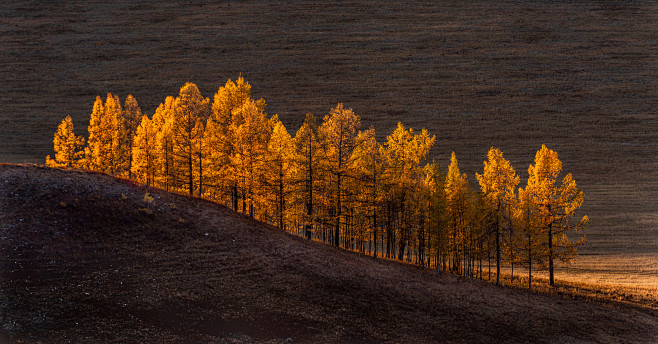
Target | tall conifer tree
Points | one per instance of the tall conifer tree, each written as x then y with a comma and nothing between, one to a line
280,157
498,182
132,115
68,146
190,106
228,99
555,206
163,122
370,164
339,132
250,137
144,152
457,200
307,167
94,143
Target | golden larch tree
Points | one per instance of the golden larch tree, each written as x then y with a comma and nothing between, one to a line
249,137
109,147
189,107
230,97
498,182
370,166
94,143
457,201
307,170
163,122
144,152
339,132
132,115
437,216
68,146
405,153
555,205
529,234
113,123
224,112
280,164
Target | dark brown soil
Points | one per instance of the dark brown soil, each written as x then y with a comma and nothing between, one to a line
85,258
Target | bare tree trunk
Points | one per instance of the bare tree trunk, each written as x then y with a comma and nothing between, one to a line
529,264
200,173
550,254
281,200
489,259
166,169
374,215
309,204
497,253
234,197
191,174
338,213
388,230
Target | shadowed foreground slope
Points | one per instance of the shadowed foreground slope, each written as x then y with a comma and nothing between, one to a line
84,258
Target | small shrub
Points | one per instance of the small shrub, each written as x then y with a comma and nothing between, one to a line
148,199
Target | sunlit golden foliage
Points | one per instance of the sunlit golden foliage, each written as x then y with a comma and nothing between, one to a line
498,183
222,183
144,152
339,134
333,181
552,205
278,174
94,144
458,203
190,112
67,146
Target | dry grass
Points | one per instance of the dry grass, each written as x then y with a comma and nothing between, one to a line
578,286
101,270
577,76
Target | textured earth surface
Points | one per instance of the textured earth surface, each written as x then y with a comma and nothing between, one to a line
87,258
579,77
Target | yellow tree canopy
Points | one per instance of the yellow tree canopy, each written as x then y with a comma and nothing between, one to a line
144,152
405,151
112,132
307,145
280,168
498,181
94,144
230,97
339,130
369,157
67,146
163,121
190,107
132,114
280,147
554,204
456,186
250,139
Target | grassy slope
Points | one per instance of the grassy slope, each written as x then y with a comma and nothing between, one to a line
80,263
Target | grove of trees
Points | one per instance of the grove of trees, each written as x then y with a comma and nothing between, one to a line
334,182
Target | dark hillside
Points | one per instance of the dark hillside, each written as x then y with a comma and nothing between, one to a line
88,258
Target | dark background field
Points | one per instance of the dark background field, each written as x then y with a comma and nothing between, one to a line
581,78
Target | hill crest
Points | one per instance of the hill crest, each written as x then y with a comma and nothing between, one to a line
87,257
